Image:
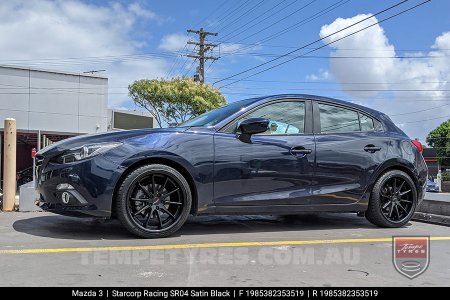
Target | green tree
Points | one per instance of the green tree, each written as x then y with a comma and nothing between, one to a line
176,100
439,139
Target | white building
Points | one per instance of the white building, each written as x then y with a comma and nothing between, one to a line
57,105
53,101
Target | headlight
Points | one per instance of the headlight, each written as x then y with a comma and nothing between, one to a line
86,151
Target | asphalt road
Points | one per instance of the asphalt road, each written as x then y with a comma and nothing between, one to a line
41,249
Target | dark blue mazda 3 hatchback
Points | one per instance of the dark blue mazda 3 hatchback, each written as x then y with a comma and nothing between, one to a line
280,154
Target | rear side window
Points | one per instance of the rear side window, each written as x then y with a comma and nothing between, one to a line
336,119
367,123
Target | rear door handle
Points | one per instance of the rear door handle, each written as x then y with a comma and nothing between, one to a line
300,151
371,148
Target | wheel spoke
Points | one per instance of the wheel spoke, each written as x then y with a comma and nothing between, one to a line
139,199
174,203
404,193
387,204
164,185
148,218
158,215
168,212
169,193
396,210
405,200
384,194
394,187
146,191
141,210
391,210
153,184
401,186
403,208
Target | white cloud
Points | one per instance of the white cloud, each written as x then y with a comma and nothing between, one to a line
379,70
321,75
173,42
230,47
36,30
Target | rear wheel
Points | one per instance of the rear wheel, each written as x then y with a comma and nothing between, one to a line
393,200
153,201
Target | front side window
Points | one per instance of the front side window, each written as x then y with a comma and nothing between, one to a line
335,119
287,117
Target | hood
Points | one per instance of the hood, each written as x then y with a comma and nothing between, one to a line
113,136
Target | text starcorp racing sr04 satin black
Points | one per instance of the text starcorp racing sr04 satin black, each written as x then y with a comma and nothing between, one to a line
281,154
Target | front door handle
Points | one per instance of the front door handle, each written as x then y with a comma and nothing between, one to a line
371,148
300,151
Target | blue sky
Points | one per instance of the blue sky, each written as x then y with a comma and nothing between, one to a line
143,39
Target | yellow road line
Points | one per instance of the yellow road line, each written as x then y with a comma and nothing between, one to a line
205,245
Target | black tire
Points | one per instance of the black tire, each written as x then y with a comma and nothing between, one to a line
384,198
129,202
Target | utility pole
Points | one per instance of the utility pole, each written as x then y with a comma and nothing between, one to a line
203,48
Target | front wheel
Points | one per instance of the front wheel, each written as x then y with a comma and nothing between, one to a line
393,200
153,201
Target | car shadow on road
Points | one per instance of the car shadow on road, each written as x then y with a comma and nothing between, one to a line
61,227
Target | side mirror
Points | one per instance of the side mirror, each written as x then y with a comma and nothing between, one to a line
252,126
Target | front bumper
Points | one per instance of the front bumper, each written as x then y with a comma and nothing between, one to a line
83,188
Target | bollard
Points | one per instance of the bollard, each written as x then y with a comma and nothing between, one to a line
9,165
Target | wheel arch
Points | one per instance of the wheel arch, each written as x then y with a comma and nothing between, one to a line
164,161
394,164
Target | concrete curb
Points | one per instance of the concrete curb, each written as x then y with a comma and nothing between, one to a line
433,211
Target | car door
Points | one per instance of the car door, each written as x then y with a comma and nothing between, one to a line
350,145
276,167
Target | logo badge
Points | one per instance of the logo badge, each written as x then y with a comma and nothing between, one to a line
411,254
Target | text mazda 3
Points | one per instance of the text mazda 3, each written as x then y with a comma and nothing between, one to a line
281,154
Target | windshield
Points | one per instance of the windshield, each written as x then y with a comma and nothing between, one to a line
213,117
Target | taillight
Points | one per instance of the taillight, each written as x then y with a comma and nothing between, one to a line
418,145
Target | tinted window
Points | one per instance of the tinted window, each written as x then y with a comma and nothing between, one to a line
336,119
287,117
215,116
377,125
366,123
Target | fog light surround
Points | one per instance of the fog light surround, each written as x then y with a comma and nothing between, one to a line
64,186
65,198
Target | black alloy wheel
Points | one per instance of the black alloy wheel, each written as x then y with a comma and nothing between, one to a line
396,202
393,200
154,201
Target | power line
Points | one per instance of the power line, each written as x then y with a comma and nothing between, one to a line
350,90
277,22
337,57
309,44
234,21
417,111
14,87
246,27
307,20
431,119
211,13
180,53
327,82
230,13
293,51
298,24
